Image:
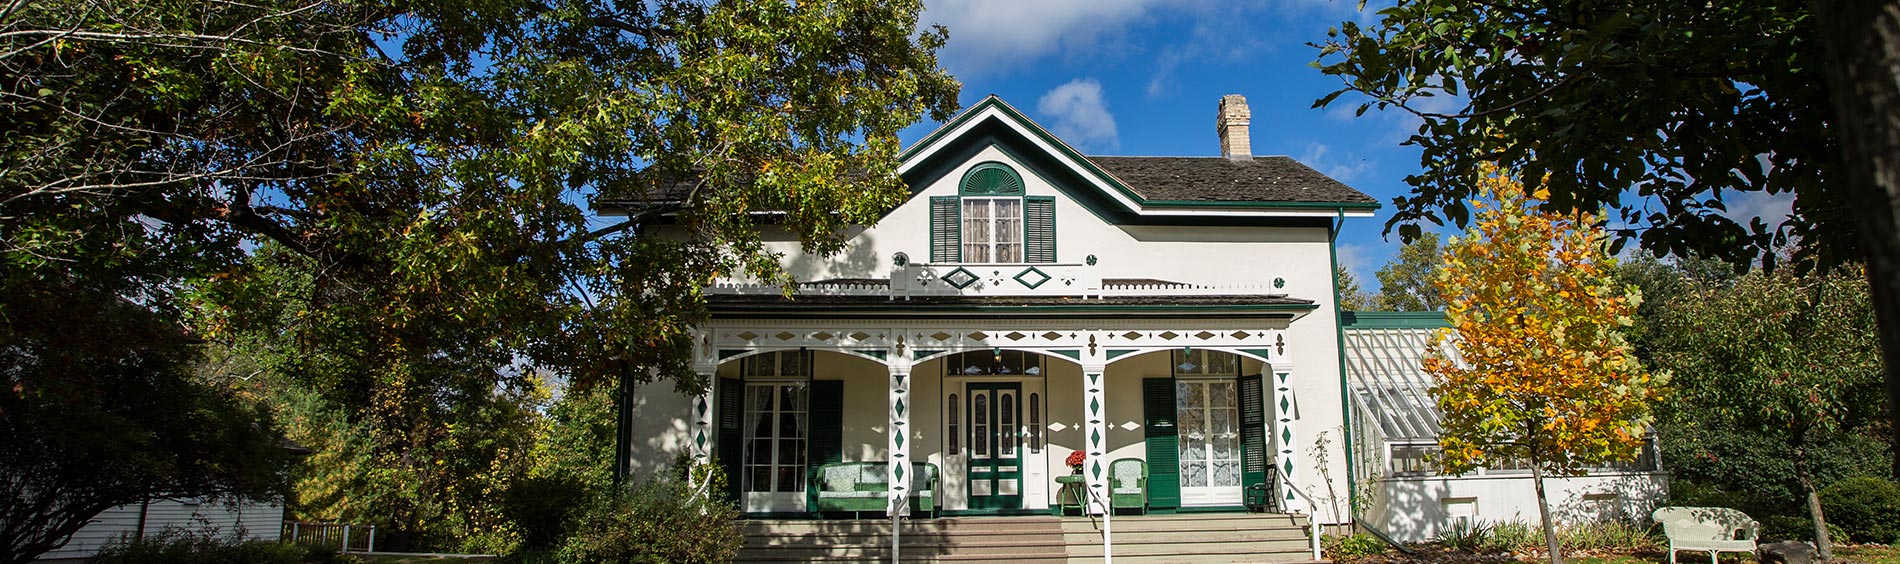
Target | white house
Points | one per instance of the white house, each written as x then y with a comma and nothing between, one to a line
238,520
1027,302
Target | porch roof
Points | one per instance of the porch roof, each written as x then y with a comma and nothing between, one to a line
873,306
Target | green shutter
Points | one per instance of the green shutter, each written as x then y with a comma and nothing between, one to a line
1164,451
1039,229
731,432
1253,433
825,425
946,229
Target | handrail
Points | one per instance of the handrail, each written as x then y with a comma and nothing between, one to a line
1312,517
1108,526
1378,534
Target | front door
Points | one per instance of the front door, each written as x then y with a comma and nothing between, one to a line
996,470
1208,420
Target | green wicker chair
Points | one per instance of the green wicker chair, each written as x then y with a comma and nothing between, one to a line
1128,484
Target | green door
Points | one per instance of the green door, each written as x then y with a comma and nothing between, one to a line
996,469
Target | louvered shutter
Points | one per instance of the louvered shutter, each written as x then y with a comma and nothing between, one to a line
731,432
1164,451
1039,229
946,229
825,425
1253,433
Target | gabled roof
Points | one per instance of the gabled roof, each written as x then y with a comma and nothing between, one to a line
1145,186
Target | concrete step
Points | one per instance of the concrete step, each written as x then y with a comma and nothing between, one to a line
1189,538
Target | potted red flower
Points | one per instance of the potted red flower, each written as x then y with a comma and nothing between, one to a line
1075,461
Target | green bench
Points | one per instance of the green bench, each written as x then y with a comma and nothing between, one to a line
859,487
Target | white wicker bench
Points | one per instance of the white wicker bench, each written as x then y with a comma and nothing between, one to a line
1710,529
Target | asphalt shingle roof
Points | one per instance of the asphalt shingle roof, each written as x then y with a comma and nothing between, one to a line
1219,179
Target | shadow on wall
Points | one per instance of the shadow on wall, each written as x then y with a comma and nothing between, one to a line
1420,509
857,260
867,539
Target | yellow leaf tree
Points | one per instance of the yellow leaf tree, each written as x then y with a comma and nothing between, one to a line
1534,368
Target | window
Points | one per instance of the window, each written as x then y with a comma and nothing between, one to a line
1035,423
993,362
775,437
992,230
992,220
954,418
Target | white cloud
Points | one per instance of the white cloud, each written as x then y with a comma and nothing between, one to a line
995,35
1079,115
1344,169
1773,209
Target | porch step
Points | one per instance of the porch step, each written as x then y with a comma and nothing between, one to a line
1185,538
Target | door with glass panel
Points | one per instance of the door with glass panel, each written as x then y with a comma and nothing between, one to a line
1208,421
995,443
773,476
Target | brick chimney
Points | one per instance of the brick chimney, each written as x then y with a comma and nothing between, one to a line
1235,144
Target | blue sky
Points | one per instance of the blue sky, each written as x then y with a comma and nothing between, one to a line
1142,77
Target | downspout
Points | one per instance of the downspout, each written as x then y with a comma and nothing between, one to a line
1345,388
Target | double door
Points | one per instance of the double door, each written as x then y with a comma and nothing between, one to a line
996,445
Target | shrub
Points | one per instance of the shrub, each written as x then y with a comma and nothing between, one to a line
1516,536
1801,528
191,549
1466,536
1354,546
1866,507
656,521
1611,535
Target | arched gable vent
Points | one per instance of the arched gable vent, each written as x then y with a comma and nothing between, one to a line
992,179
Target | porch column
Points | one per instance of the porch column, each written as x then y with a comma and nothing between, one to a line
899,431
1283,405
1096,433
702,422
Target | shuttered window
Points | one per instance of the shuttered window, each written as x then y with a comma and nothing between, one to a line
731,438
1253,432
1039,229
1162,442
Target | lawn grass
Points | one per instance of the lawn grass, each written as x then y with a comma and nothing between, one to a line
1858,554
403,559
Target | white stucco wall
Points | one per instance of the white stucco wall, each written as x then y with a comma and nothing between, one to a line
1416,509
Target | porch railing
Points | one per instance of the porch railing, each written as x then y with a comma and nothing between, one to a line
344,537
1001,279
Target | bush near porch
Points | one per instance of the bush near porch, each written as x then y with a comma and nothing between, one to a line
1609,542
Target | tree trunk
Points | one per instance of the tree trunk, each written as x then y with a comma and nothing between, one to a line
1862,42
1543,509
1824,547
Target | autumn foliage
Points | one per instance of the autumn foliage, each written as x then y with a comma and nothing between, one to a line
1534,367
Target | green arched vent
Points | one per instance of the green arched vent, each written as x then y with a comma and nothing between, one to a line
992,179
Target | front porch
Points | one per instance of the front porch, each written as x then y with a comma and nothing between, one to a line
995,407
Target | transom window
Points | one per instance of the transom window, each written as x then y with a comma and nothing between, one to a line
781,364
1197,362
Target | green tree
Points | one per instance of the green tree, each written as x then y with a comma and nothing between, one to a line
1781,356
1687,105
1541,373
1351,297
1405,283
418,179
99,408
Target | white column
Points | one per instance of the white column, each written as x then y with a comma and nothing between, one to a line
1095,433
899,464
702,421
1283,438
899,435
